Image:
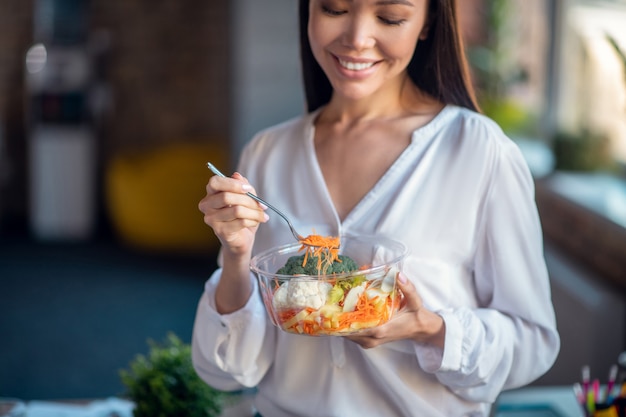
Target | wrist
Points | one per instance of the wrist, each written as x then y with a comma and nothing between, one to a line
235,286
236,261
434,328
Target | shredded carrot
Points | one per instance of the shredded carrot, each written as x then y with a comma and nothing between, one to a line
365,315
285,315
325,248
367,312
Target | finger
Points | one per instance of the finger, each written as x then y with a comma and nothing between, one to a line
231,212
234,234
224,207
412,300
248,189
227,231
365,342
221,195
218,210
224,184
237,176
236,184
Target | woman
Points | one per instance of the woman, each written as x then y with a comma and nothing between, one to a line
392,145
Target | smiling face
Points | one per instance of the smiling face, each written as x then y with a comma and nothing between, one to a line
364,46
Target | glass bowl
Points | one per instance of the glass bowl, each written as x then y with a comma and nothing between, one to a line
338,304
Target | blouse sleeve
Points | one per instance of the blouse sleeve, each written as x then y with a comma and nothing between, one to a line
231,351
511,339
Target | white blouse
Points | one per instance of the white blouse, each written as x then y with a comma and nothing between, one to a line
461,198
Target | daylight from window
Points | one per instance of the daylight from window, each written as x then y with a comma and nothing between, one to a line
593,72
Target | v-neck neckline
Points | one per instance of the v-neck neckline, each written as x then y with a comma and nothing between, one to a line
417,143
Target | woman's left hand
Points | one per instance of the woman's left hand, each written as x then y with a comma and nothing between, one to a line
413,321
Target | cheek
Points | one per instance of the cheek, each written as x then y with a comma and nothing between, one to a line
323,39
314,38
399,48
320,35
312,33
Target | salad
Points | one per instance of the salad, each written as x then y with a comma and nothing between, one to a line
325,305
316,307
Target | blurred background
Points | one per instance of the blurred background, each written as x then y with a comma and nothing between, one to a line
110,109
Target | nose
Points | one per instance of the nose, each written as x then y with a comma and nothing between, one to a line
359,33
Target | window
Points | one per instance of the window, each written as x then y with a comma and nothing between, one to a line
591,80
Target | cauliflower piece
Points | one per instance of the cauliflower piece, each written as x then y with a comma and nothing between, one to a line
301,294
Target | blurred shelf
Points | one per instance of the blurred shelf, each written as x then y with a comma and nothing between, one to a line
585,216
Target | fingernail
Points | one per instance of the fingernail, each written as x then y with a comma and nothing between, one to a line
263,206
266,217
401,278
246,187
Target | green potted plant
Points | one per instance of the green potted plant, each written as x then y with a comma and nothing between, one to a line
582,151
164,383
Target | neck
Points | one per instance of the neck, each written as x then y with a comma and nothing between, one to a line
403,100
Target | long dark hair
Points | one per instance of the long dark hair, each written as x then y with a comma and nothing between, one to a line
438,66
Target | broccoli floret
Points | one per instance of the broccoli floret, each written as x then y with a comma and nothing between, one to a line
347,264
293,266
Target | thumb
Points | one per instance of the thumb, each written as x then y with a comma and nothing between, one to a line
412,300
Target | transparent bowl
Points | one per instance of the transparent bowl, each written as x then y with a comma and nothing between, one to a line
339,304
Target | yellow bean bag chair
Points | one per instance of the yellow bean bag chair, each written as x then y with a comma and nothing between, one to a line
152,197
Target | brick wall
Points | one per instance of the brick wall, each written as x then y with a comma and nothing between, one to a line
167,66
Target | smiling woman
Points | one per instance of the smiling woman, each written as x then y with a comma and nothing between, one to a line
363,45
392,146
443,46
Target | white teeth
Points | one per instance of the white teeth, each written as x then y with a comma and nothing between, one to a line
356,66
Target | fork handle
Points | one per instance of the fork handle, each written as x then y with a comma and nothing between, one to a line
254,197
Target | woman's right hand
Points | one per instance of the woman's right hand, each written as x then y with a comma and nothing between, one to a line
233,216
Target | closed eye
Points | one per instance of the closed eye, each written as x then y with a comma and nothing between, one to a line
391,22
332,12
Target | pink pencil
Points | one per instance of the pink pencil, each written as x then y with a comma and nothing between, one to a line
596,390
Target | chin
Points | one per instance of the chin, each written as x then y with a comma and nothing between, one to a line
354,94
